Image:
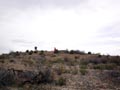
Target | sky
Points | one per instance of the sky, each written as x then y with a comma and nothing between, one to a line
86,25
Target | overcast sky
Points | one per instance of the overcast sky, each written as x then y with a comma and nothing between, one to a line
89,25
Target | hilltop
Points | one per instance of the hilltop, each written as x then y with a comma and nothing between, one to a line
59,70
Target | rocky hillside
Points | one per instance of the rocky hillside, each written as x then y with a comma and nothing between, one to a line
59,70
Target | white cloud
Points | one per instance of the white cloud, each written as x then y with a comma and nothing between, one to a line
60,23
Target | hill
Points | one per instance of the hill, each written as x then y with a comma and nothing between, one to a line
59,70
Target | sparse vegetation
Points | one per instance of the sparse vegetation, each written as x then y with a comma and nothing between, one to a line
99,55
30,62
89,53
57,60
14,54
83,66
84,62
31,52
27,51
59,69
105,66
3,56
115,61
77,52
2,61
83,71
75,72
61,81
41,52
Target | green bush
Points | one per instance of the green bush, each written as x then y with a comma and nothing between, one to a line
99,56
14,54
115,61
83,66
83,71
41,52
30,52
89,53
98,61
105,66
27,51
5,56
84,62
77,52
35,51
61,81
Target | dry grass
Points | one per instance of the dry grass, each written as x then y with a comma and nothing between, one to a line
74,67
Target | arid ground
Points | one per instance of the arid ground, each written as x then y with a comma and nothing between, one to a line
59,70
